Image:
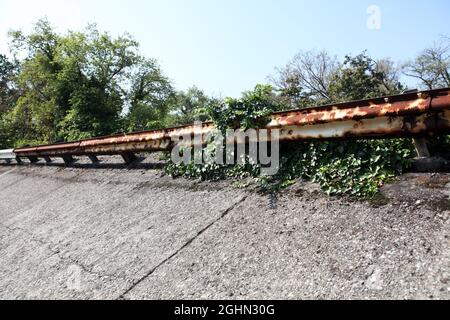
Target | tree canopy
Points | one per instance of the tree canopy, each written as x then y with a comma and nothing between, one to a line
79,85
313,78
432,66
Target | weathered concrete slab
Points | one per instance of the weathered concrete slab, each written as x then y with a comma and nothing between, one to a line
33,269
308,249
106,231
111,228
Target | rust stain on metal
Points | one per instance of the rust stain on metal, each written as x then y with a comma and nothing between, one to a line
423,113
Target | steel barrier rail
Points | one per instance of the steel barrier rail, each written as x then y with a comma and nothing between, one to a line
425,113
7,155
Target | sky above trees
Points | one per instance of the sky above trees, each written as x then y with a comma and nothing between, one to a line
225,47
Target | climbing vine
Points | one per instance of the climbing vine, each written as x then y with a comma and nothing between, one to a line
355,168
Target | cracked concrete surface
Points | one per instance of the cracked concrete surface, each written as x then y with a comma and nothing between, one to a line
111,232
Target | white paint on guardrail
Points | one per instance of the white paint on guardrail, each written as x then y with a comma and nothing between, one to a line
7,154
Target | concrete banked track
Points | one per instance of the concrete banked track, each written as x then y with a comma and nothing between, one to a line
111,231
416,114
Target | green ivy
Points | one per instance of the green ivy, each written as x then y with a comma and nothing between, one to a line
253,110
356,168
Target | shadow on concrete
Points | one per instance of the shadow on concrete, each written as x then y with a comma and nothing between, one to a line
136,165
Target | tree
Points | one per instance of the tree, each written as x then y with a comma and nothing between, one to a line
188,107
102,68
72,86
432,66
31,119
306,79
8,92
8,95
150,95
389,77
316,78
361,77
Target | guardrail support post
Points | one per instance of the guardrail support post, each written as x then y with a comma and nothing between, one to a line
425,162
421,148
128,157
18,160
68,159
93,159
47,159
33,159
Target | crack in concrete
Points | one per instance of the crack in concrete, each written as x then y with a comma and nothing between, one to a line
148,274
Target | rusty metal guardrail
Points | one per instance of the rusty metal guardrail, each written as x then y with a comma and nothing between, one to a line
425,113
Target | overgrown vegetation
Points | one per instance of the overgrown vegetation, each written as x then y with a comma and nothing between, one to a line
356,168
63,87
350,168
253,110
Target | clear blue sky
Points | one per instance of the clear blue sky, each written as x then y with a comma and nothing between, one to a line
227,46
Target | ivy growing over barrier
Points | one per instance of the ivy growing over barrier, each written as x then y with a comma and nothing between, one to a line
355,168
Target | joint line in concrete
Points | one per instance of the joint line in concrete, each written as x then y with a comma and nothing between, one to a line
223,215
